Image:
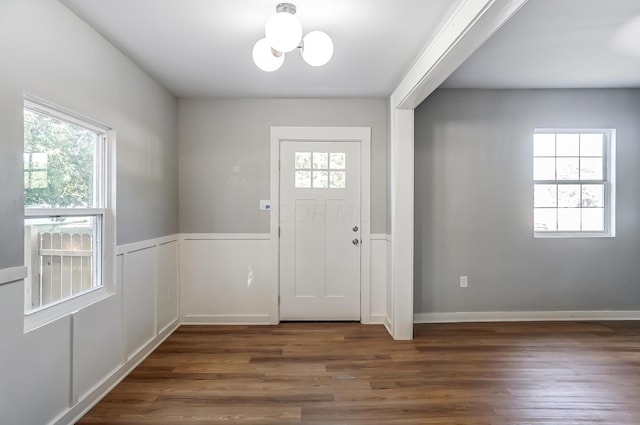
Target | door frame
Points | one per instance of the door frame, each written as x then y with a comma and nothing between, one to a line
361,135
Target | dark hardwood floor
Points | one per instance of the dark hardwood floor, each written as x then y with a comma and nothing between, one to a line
551,373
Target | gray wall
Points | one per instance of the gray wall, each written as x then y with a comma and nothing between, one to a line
474,204
225,150
87,75
48,52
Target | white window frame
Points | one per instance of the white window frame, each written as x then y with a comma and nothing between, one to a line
609,174
103,209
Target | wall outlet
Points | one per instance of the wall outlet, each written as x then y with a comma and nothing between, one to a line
265,205
464,281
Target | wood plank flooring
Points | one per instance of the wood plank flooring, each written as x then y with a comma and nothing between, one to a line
543,373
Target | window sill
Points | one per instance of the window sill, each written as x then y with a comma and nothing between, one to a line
575,235
50,314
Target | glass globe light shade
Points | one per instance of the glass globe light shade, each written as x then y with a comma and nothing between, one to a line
264,58
284,32
317,48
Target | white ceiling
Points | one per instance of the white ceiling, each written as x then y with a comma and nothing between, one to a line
560,44
202,48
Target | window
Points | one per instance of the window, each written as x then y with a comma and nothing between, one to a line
320,170
65,187
573,182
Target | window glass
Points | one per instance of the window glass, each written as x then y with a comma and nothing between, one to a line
321,179
338,179
320,170
63,248
544,144
320,160
570,181
59,163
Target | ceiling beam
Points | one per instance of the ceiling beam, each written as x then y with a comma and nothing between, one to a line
468,27
471,24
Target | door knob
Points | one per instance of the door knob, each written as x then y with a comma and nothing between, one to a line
356,241
355,228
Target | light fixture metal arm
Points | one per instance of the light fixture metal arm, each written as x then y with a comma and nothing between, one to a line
286,7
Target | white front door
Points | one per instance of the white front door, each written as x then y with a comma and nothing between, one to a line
320,230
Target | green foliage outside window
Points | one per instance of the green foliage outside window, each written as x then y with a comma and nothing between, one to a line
66,181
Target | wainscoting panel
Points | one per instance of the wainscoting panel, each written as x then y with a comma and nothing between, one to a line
225,280
111,337
379,276
139,268
388,320
167,284
97,345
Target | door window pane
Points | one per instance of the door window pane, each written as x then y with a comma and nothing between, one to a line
338,180
320,179
338,161
325,170
320,160
303,179
303,160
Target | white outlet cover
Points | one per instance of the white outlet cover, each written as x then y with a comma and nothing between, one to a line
265,205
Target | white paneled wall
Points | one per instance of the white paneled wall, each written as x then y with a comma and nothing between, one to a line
389,293
227,278
149,281
167,285
111,337
379,276
96,355
57,370
214,279
139,279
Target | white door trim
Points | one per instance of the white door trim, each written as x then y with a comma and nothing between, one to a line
323,134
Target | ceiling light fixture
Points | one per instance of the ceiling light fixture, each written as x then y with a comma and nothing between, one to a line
283,34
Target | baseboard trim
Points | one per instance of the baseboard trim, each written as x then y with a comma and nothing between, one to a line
222,319
377,319
12,274
525,316
387,324
98,392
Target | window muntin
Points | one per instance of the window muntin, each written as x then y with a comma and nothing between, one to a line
572,182
65,212
35,171
320,170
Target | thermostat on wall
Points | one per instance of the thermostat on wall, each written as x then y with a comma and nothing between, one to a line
265,205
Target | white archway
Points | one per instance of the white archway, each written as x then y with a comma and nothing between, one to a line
468,27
